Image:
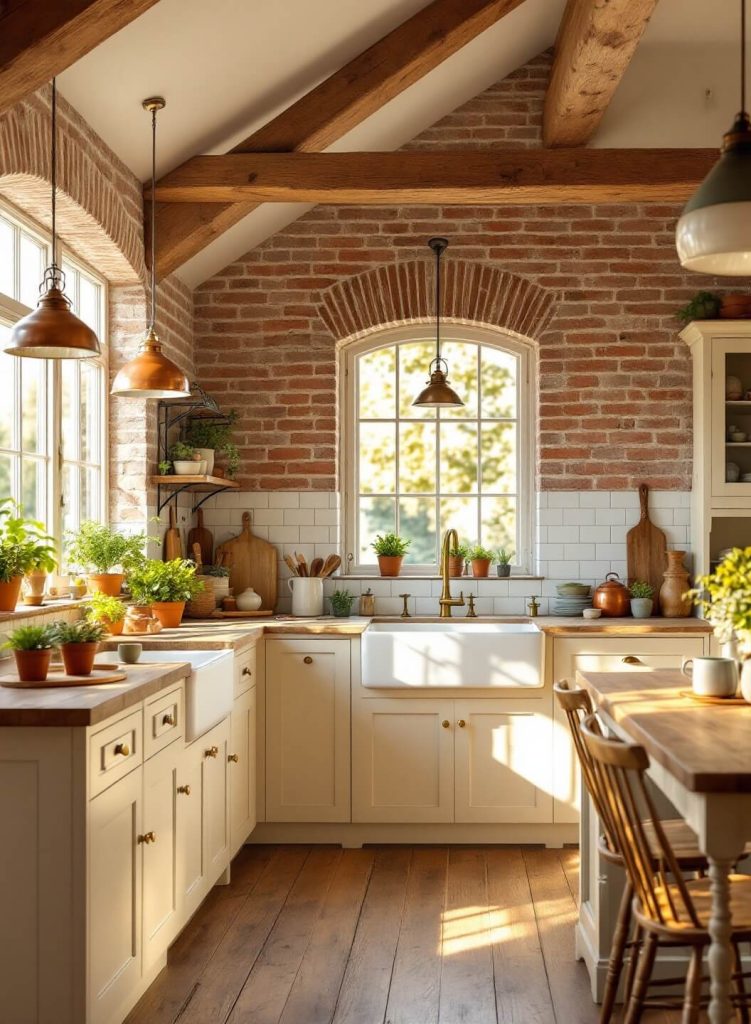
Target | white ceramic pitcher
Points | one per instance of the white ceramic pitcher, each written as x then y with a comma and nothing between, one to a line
307,595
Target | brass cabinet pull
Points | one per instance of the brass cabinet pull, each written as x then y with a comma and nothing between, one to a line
211,752
308,660
246,671
122,748
631,659
168,719
461,723
234,758
147,837
445,723
184,789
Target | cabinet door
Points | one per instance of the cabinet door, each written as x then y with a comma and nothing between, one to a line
115,896
215,803
161,909
503,752
731,357
241,767
307,730
190,868
403,760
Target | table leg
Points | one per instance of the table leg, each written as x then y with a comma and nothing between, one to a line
720,957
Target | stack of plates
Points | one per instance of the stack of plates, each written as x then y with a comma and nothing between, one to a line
572,599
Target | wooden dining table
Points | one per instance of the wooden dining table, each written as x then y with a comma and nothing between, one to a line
700,758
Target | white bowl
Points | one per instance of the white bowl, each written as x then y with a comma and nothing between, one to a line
592,613
185,468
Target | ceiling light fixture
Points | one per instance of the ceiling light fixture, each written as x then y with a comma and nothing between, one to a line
438,393
52,331
713,235
150,374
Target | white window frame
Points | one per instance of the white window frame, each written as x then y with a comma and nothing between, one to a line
11,311
349,353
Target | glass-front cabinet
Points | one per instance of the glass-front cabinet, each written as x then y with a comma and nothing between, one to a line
731,416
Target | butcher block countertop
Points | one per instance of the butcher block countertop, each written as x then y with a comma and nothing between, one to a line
84,705
627,626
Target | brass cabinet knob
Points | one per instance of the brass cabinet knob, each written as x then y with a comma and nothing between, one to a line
168,719
445,723
184,789
211,752
234,758
461,723
308,660
631,659
246,671
147,837
123,749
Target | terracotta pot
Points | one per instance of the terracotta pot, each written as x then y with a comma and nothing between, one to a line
612,597
139,618
169,613
114,628
673,603
78,659
9,593
109,583
480,567
34,584
735,307
456,566
33,666
390,565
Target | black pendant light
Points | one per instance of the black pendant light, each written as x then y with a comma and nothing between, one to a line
713,234
150,374
53,331
438,393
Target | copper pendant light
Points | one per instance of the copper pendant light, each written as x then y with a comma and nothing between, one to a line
438,393
150,374
52,331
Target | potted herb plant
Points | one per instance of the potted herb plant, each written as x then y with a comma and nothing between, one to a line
480,558
185,459
220,575
390,549
642,599
724,598
703,306
32,649
166,587
106,554
78,643
457,557
341,603
108,610
503,558
212,437
24,548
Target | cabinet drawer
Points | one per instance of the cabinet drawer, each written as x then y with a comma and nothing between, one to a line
114,751
163,721
245,671
643,661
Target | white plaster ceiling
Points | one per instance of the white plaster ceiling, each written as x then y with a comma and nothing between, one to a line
228,66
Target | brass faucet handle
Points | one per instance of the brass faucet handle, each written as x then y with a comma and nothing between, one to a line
460,599
405,609
471,613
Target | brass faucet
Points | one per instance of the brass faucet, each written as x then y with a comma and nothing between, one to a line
446,602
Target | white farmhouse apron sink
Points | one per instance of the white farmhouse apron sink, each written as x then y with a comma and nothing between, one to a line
480,655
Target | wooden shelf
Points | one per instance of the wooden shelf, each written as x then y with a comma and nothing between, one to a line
195,483
738,403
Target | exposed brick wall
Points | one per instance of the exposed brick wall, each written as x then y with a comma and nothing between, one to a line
614,386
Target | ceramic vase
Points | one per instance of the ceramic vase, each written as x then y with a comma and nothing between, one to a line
673,602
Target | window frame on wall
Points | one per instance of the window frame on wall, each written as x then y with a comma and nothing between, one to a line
12,310
504,341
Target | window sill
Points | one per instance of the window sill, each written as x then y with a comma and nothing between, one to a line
30,611
436,576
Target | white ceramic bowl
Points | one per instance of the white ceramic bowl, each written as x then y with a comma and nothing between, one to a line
592,613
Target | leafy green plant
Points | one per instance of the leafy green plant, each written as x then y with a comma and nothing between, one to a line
24,544
99,548
341,602
103,608
390,545
220,571
164,581
724,597
459,551
83,631
640,588
216,434
181,452
165,467
30,638
503,557
703,306
478,553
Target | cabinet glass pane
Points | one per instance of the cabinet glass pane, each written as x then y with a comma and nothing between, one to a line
738,418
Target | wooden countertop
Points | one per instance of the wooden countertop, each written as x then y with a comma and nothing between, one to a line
85,705
626,626
705,746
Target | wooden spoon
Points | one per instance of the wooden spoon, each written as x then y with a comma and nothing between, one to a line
331,564
197,557
291,565
302,565
315,567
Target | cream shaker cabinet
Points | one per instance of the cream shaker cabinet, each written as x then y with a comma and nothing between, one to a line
161,899
307,729
242,769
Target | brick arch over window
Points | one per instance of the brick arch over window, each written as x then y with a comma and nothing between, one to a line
404,292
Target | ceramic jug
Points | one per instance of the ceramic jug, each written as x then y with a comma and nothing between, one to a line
673,604
307,595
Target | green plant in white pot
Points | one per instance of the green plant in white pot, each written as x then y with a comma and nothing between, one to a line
642,599
211,437
724,598
185,459
105,555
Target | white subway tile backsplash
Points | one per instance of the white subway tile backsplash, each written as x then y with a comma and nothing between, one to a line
563,534
575,552
326,517
563,499
610,516
550,517
594,499
284,499
268,517
299,516
314,499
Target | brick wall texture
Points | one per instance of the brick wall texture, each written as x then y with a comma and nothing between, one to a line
594,287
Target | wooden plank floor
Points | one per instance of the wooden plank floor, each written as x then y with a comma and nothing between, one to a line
382,935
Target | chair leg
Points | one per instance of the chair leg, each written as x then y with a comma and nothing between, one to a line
641,981
743,1007
692,994
637,941
615,963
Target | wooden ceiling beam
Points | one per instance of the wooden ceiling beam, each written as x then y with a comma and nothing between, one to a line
595,44
41,38
474,177
333,108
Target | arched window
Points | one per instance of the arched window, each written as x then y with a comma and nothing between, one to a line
421,471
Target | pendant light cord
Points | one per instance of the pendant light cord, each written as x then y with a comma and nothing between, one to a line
53,275
153,219
438,307
743,55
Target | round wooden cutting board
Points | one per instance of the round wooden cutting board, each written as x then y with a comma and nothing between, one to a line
57,677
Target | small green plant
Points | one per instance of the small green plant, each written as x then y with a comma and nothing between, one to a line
207,433
703,306
640,588
220,571
24,544
459,551
724,597
103,608
477,553
103,550
164,581
390,545
30,638
83,631
181,452
165,467
341,603
503,557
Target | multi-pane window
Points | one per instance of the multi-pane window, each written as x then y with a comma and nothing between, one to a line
420,471
52,412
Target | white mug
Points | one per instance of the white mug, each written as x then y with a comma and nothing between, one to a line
307,595
711,677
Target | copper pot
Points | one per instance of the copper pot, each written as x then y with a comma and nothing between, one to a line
612,596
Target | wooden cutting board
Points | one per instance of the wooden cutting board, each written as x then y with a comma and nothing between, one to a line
646,550
203,538
173,546
252,562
